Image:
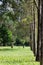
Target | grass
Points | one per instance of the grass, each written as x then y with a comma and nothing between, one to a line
17,56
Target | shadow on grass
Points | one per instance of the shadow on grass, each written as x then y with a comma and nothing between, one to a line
12,49
8,49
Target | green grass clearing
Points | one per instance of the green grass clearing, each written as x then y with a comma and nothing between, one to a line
17,56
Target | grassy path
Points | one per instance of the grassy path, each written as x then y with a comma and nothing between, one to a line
17,56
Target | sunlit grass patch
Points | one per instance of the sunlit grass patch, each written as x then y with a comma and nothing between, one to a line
23,63
17,56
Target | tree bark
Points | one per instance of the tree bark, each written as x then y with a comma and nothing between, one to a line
34,28
42,32
39,34
30,37
12,45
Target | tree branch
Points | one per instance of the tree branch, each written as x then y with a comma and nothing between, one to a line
35,4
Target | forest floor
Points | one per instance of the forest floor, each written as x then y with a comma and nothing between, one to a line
17,56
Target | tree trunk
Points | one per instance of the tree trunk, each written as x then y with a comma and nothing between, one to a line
11,45
23,45
39,33
34,28
30,37
42,32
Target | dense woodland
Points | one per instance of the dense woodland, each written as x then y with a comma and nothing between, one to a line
21,24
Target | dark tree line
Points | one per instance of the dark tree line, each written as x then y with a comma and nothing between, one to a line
39,54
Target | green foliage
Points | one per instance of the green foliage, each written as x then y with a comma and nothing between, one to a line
18,42
27,43
10,17
9,35
21,42
5,35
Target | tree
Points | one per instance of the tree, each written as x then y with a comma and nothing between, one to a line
5,35
42,32
39,33
17,14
